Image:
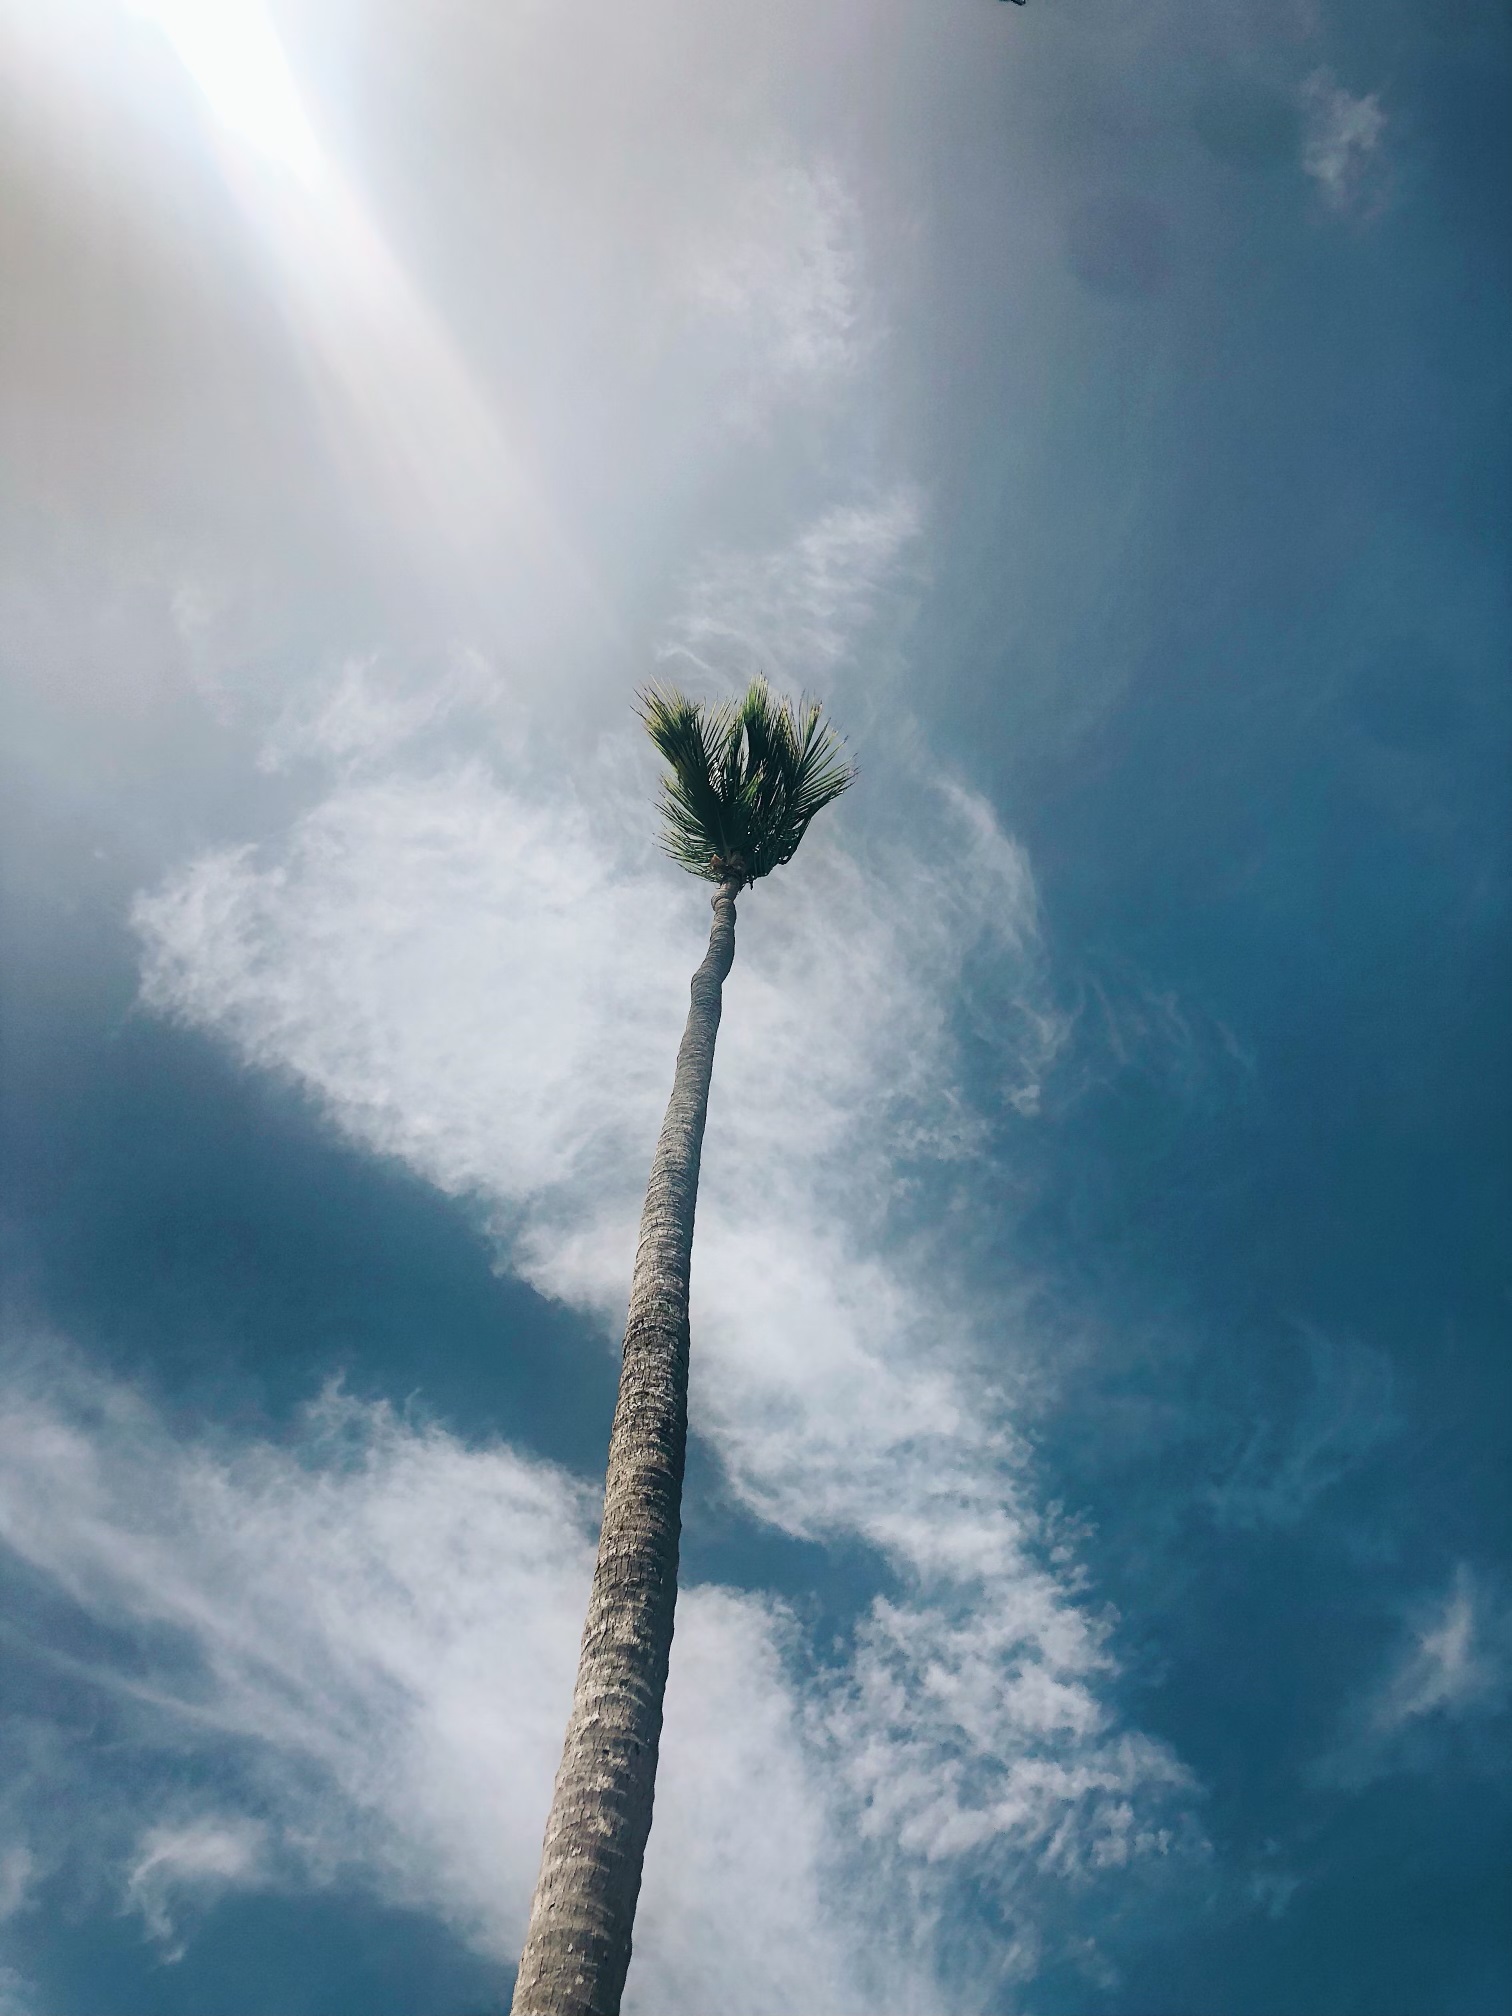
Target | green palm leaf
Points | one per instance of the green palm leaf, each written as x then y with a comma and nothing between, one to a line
745,778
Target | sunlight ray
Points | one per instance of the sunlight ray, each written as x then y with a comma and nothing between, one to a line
417,436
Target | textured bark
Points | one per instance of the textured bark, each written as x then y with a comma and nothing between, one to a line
577,1947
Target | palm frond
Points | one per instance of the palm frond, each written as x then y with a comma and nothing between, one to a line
745,778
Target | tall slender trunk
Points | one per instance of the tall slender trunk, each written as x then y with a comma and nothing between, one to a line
577,1946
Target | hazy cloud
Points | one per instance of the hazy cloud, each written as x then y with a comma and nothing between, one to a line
782,274
17,1866
17,1997
1341,141
370,708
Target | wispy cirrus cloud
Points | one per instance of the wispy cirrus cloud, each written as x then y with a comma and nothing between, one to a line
199,1859
446,955
800,609
1451,1671
363,1637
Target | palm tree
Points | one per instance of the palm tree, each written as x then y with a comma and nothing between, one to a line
744,781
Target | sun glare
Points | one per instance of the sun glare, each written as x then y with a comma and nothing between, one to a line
421,442
232,51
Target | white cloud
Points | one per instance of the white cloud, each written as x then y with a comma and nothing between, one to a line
1341,142
198,1860
346,1602
1451,1666
1454,1670
751,1900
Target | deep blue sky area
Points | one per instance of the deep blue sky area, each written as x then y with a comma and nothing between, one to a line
1096,1591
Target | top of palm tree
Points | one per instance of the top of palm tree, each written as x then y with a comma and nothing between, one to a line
745,777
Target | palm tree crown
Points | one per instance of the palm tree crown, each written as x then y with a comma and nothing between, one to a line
746,778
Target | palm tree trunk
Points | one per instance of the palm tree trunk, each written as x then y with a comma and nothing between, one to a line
577,1946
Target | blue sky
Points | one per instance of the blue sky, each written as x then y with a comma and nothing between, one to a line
1096,1593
